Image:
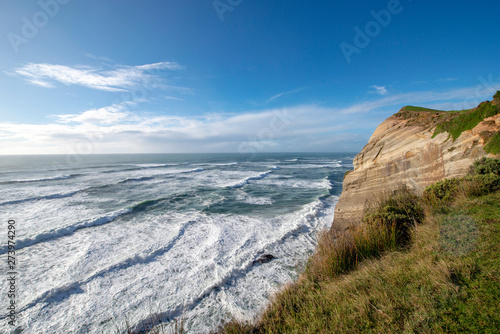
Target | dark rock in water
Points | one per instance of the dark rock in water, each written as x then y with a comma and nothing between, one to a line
264,259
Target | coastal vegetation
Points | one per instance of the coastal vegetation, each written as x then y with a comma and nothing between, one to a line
421,264
493,145
467,120
455,122
419,109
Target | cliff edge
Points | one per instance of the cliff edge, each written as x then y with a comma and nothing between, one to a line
415,148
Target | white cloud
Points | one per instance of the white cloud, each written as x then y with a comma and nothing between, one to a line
447,79
160,66
102,116
114,129
173,98
117,129
382,90
277,96
99,58
119,78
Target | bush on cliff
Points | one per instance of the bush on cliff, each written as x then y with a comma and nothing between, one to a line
441,192
484,177
401,211
486,166
496,97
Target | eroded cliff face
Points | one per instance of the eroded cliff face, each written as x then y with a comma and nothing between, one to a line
402,152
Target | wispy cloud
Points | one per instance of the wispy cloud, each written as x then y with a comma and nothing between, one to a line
277,96
461,98
99,58
381,90
174,98
116,79
447,79
103,116
182,90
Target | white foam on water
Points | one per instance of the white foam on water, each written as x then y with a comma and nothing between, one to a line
38,234
290,182
246,296
183,267
245,181
245,198
258,200
153,165
79,259
32,191
91,258
54,178
222,178
88,181
309,165
37,198
193,170
217,164
323,161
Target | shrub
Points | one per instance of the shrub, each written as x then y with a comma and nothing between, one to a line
442,191
496,97
486,166
400,211
482,184
483,178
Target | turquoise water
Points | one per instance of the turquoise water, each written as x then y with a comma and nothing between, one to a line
105,239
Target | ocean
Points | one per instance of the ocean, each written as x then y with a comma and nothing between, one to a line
109,240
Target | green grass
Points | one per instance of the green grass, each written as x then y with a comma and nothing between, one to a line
493,145
456,121
444,279
414,108
466,120
475,307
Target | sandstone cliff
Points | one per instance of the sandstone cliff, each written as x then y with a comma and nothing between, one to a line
405,150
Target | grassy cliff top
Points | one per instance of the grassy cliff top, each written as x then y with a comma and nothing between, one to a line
420,109
455,122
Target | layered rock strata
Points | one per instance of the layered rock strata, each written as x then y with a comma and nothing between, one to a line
402,152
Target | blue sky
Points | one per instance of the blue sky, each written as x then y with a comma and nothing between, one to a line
243,76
